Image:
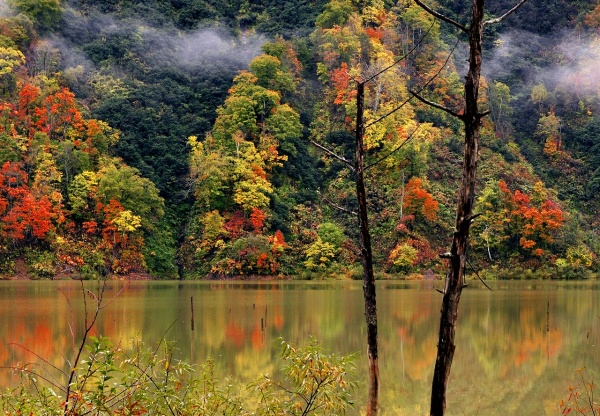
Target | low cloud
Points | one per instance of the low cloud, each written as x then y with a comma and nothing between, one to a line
156,47
198,48
512,56
577,66
5,9
568,60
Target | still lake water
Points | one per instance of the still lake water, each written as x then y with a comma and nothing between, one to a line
517,347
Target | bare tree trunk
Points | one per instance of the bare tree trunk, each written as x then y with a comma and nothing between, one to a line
367,258
458,253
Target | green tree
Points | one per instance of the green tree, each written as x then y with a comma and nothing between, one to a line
549,129
83,193
45,13
539,96
210,171
499,99
137,194
9,59
403,256
269,74
335,13
320,254
331,233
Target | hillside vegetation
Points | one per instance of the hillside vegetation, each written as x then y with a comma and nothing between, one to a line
174,138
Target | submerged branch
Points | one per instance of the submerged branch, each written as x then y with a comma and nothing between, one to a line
477,274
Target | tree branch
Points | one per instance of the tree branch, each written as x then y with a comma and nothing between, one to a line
334,155
402,58
479,277
409,138
429,81
505,15
441,16
435,105
338,207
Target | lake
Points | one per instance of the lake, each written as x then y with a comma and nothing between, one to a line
518,347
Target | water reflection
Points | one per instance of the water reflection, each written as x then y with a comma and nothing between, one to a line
517,347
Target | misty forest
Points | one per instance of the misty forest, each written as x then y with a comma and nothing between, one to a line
229,140
175,139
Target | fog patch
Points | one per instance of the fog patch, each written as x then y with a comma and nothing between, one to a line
5,9
568,60
155,47
578,65
206,45
512,55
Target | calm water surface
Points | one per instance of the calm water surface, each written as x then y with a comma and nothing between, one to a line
517,347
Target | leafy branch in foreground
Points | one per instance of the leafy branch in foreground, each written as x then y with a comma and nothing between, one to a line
581,398
111,381
316,383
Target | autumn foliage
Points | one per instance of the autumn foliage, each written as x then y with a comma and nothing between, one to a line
534,222
418,201
517,220
49,195
233,151
22,216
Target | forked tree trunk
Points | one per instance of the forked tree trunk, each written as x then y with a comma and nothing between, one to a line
464,215
367,258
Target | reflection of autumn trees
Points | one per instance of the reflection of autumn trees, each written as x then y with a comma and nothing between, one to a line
505,342
412,336
506,347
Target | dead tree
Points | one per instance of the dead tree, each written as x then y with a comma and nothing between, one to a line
471,118
357,166
366,255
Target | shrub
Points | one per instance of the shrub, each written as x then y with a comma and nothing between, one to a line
139,381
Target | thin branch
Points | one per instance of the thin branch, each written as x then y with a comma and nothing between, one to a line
441,16
72,320
409,138
338,207
429,81
505,15
403,57
477,274
46,362
38,375
104,305
87,329
485,113
143,371
288,391
334,155
435,105
151,379
471,218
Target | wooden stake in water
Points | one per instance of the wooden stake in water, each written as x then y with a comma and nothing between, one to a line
192,311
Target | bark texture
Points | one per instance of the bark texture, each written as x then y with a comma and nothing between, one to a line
464,214
367,258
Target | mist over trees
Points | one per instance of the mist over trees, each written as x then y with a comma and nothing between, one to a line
173,138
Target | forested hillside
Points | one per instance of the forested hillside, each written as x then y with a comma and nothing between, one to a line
198,139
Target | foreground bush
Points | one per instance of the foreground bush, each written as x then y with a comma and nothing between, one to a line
111,381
